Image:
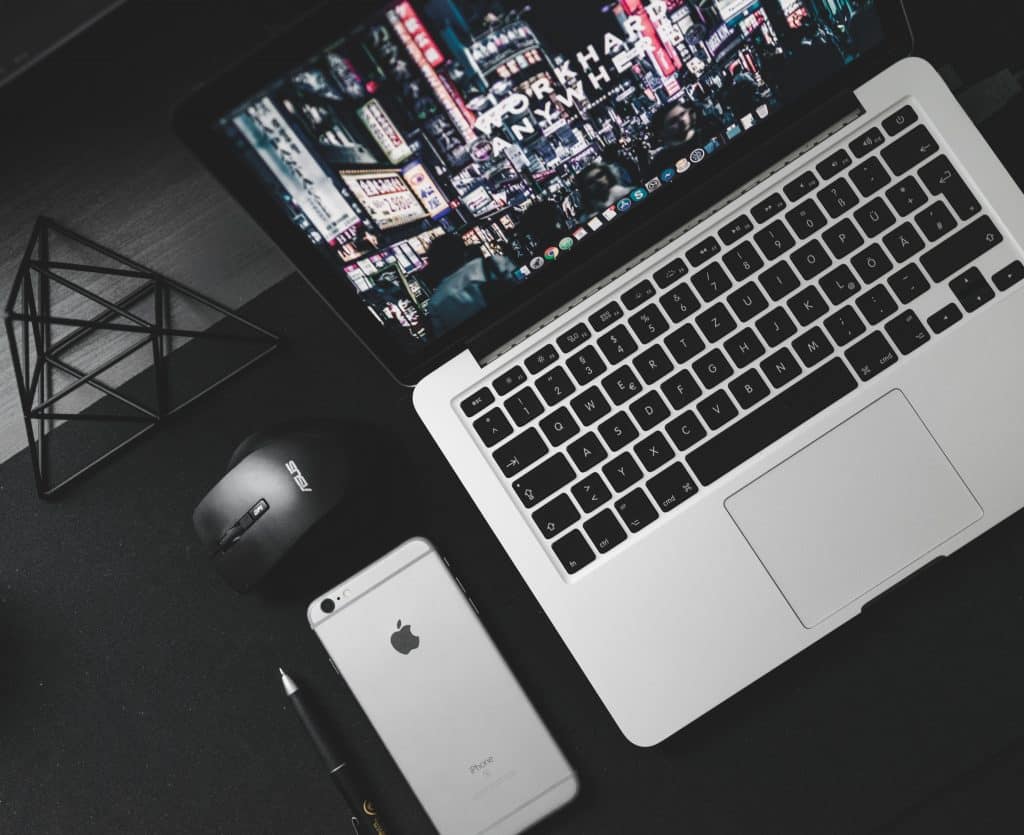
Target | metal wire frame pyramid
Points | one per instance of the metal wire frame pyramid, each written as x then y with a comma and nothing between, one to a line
35,353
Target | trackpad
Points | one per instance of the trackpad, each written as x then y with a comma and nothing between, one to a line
853,508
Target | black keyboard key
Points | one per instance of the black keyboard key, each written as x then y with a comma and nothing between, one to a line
871,263
871,356
769,207
712,368
586,365
636,510
869,176
771,421
523,406
617,344
866,142
618,431
684,343
911,149
680,303
669,274
775,327
811,260
702,252
749,389
1008,276
833,164
539,360
779,281
736,229
747,301
607,315
637,295
907,331
559,426
653,451
801,186
898,121
716,322
903,242
877,304
509,380
555,516
935,221
875,217
573,552
574,337
681,389
520,452
812,347
649,410
844,325
744,347
781,368
492,427
907,196
775,239
960,249
544,480
653,364
945,318
686,430
586,452
806,219
717,410
604,531
840,284
838,197
808,305
743,261
711,281
940,177
909,283
621,385
671,487
475,403
555,386
591,493
972,290
590,406
842,238
648,324
622,472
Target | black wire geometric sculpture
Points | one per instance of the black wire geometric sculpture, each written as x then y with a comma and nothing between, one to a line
38,354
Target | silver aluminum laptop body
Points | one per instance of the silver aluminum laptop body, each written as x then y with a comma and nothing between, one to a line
757,565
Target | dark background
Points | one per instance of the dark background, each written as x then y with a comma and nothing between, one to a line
138,693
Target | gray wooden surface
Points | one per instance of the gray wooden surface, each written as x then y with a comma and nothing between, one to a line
86,139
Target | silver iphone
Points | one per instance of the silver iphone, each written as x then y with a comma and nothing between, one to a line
406,639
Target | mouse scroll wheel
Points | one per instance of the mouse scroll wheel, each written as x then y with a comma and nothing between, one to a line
231,536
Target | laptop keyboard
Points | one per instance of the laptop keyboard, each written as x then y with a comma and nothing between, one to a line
748,334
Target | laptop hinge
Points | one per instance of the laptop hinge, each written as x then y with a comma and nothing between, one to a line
504,335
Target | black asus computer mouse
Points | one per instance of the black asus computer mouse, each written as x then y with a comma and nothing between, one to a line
279,484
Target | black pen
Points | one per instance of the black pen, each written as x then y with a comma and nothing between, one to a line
362,811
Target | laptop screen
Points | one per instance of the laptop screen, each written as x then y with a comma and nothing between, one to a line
447,151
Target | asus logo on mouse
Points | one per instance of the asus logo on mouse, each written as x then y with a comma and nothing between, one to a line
482,766
298,477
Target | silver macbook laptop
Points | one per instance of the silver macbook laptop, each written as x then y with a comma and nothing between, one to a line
713,307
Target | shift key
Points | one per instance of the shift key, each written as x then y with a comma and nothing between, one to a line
956,252
544,480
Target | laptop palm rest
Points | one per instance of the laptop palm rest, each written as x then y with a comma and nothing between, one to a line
853,508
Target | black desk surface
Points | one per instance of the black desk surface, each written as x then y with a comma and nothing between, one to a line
139,694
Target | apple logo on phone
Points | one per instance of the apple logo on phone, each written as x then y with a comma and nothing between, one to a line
403,640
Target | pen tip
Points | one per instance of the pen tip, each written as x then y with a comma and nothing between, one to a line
282,672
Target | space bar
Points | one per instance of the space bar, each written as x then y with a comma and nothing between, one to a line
767,424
